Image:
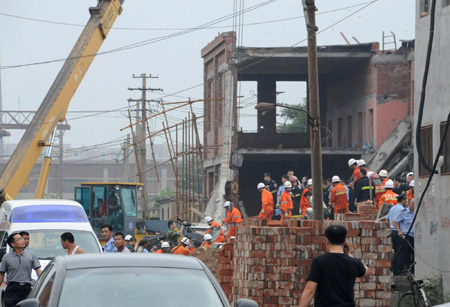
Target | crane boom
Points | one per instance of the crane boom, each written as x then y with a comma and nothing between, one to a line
55,104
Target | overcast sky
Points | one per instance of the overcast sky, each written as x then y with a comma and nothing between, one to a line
176,60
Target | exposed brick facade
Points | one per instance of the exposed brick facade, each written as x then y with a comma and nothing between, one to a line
269,263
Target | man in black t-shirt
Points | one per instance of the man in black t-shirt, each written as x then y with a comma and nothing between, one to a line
332,276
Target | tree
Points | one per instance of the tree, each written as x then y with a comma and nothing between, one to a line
294,121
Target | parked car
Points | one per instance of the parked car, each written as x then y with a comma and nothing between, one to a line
128,280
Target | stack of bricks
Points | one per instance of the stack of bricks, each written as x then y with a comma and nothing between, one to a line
226,267
368,211
270,264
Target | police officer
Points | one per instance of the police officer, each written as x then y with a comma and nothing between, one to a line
393,212
18,264
402,222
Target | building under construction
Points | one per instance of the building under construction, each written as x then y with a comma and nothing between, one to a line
366,105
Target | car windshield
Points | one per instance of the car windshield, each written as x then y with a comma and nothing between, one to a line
46,244
137,286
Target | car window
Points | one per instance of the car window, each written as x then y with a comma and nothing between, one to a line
138,287
41,285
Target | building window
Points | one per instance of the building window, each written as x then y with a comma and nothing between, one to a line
445,169
349,132
360,129
330,131
426,141
425,7
340,140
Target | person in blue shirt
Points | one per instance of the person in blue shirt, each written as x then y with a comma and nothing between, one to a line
107,234
395,210
402,222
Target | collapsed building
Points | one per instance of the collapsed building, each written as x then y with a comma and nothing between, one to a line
366,101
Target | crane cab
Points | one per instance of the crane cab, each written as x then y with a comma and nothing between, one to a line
114,203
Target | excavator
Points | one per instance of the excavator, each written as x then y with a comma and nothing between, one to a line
41,131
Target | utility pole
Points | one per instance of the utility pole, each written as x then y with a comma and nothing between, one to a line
142,127
309,8
126,160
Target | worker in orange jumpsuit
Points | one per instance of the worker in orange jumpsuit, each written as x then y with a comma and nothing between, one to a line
207,242
356,172
303,200
389,197
410,192
286,204
233,218
383,174
165,248
266,203
184,248
338,196
379,188
213,224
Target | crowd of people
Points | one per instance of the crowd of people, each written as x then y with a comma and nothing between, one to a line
393,198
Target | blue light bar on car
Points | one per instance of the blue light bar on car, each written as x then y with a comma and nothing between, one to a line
48,214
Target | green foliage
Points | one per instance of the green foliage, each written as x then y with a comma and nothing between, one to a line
297,119
167,192
434,290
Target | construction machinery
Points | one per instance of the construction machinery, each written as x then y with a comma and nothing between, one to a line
54,107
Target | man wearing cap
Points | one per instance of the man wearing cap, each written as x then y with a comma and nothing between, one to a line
356,172
215,226
165,248
18,264
402,222
233,218
303,200
185,248
410,193
296,193
389,197
364,191
286,205
379,188
393,212
266,203
130,242
338,196
207,242
271,185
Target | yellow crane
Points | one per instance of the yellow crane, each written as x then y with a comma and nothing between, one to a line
54,107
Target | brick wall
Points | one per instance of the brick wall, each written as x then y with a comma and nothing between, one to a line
270,263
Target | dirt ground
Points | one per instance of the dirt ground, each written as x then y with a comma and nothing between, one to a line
210,258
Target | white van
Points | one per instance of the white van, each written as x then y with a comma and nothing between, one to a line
46,220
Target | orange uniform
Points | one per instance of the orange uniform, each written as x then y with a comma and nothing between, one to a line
221,237
379,191
286,205
159,251
181,250
338,197
207,244
409,195
389,198
304,201
356,174
234,218
266,205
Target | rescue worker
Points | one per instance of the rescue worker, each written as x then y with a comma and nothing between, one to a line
410,192
184,248
207,242
281,189
165,248
233,218
296,193
308,205
383,176
389,197
303,201
356,173
400,186
214,225
409,177
363,189
286,204
266,203
338,197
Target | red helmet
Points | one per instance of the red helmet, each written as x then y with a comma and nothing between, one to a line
293,178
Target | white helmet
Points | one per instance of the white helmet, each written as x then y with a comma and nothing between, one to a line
185,241
207,237
287,184
335,179
409,175
226,204
261,185
351,162
383,173
389,184
360,162
411,184
165,244
309,182
208,219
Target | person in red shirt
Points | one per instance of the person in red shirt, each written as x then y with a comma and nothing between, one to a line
184,248
356,172
338,196
286,204
389,197
266,203
214,225
233,218
303,200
